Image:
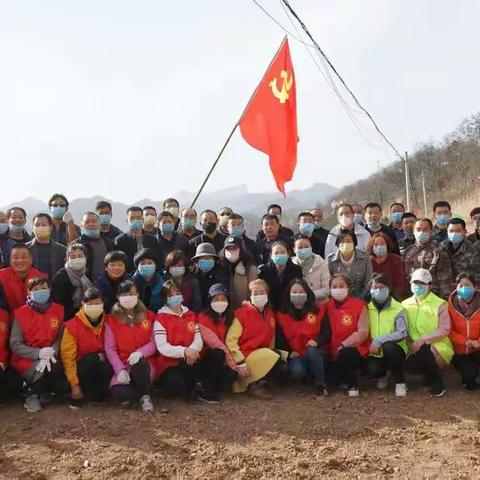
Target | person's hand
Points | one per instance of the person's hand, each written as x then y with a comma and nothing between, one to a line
417,345
2,366
67,217
374,347
42,365
46,353
191,356
135,357
471,344
240,269
77,393
312,343
243,370
293,355
123,378
101,356
340,347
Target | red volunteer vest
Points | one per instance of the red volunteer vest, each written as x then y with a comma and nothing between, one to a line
4,336
219,328
87,340
14,288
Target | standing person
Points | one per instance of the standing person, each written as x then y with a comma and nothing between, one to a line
241,269
70,283
285,233
388,331
35,343
314,269
426,253
358,214
408,225
16,233
301,321
306,229
47,256
209,222
474,237
319,231
349,344
217,366
130,349
464,311
82,352
187,227
251,341
353,263
173,206
64,229
104,211
236,229
168,239
178,339
271,234
225,213
150,220
346,225
373,217
396,215
3,231
442,213
428,324
107,282
387,263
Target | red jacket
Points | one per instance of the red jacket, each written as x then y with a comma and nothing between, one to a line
258,329
462,328
219,328
4,336
14,288
39,330
86,340
299,332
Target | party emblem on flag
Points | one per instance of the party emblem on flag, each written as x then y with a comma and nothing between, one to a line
282,94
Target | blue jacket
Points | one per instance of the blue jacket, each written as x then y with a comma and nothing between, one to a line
149,292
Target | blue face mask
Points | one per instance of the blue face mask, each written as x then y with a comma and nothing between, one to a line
236,231
3,228
105,219
374,225
442,219
421,237
304,253
58,212
280,259
167,228
380,295
456,237
419,290
146,270
136,224
189,223
175,301
306,228
40,296
205,265
466,292
17,228
396,217
357,218
91,233
380,250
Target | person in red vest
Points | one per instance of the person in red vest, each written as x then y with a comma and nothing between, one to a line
179,342
82,353
130,348
35,343
4,350
217,366
464,311
301,321
14,279
349,343
251,341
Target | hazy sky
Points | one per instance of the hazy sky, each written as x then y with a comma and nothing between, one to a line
134,99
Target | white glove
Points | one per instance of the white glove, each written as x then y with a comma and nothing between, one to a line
67,217
135,357
42,365
240,269
123,378
45,353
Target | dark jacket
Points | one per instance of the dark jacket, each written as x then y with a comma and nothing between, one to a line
112,233
85,241
264,246
192,297
58,254
6,244
317,241
206,280
252,248
60,235
389,232
283,231
439,234
62,293
149,292
128,244
108,289
166,246
217,241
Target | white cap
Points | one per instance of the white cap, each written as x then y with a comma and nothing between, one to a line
421,275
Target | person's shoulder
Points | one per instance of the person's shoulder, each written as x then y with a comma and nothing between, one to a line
62,273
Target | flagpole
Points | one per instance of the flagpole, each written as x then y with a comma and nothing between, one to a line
235,127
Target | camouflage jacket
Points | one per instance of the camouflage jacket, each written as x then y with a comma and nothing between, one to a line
466,258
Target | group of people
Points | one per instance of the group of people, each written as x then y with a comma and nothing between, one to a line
93,312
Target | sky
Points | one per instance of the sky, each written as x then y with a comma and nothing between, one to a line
133,100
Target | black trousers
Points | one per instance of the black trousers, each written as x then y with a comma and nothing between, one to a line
10,382
469,368
181,381
214,374
139,383
94,376
393,360
349,362
423,363
53,381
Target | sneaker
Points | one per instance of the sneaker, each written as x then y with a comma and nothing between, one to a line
353,392
126,403
400,390
321,392
207,397
438,393
75,404
146,403
382,382
259,390
32,403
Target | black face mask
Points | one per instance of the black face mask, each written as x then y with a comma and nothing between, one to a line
209,227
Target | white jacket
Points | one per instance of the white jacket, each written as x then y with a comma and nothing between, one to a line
362,239
316,274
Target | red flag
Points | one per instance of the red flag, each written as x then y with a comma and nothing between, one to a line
269,122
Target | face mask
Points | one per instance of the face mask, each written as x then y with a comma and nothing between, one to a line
41,232
93,311
259,301
77,263
232,255
339,294
177,271
346,248
40,296
380,295
421,237
236,231
223,220
442,219
58,212
136,224
91,233
149,220
418,290
345,221
318,225
304,253
357,218
455,237
105,219
373,225
128,301
146,270
306,228
17,228
189,223
175,301
380,250
280,259
466,292
396,217
173,211
3,228
167,228
209,227
298,299
219,307
205,265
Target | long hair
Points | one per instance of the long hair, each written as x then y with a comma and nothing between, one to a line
309,307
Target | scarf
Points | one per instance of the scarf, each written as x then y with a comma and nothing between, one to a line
80,281
139,313
38,307
467,309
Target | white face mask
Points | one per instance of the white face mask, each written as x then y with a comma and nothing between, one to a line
177,271
128,301
345,221
77,263
93,311
219,306
173,211
232,255
339,294
259,301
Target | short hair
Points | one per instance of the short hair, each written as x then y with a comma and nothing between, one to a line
235,216
125,287
174,257
304,214
167,287
145,254
381,278
90,213
209,211
397,204
341,237
134,209
21,246
373,205
165,215
58,195
409,215
76,246
149,207
103,204
188,208
458,221
343,204
388,241
43,215
468,275
425,219
115,256
36,281
274,205
475,211
10,211
270,216
170,200
342,276
92,293
303,239
441,203
258,282
281,243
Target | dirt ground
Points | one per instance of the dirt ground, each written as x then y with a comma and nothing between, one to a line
292,436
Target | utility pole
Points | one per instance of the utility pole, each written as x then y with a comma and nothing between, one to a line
424,196
407,182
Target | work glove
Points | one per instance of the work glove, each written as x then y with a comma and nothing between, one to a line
135,357
46,352
123,378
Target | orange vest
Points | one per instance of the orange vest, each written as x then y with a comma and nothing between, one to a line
86,339
39,330
462,328
4,336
